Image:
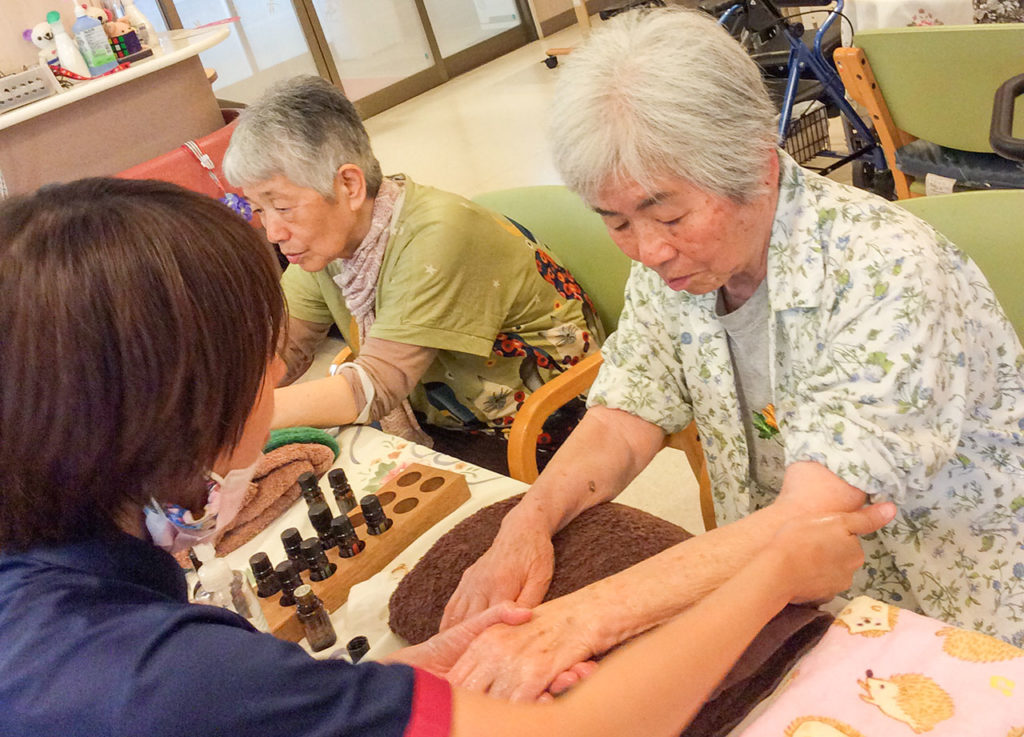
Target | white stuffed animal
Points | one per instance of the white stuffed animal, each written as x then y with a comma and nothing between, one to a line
41,35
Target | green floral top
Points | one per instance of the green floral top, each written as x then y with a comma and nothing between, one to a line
894,367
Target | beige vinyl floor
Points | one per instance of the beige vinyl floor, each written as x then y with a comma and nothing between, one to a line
483,131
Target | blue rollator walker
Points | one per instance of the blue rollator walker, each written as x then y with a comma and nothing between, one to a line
805,74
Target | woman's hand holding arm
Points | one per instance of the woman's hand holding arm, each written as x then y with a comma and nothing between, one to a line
656,685
601,456
522,662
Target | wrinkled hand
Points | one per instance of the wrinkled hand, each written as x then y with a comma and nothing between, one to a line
440,652
517,567
823,553
521,663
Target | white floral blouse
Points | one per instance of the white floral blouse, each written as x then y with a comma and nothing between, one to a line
894,367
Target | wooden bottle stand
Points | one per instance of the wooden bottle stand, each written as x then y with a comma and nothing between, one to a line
416,500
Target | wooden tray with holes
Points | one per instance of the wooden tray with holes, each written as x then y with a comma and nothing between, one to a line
416,500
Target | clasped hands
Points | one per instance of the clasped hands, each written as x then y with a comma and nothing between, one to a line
546,648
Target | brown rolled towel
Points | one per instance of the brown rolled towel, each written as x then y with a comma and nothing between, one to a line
602,541
274,490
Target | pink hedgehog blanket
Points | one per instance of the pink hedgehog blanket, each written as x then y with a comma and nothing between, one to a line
881,671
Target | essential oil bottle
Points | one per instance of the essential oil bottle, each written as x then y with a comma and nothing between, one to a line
317,625
289,579
291,539
320,516
319,567
310,489
343,494
349,544
377,522
266,582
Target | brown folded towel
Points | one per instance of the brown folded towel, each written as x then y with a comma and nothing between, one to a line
273,490
602,541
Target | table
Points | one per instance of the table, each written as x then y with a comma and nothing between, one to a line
368,455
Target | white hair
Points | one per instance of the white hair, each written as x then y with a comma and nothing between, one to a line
304,129
663,93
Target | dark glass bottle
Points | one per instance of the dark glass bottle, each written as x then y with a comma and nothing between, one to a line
357,647
320,516
349,543
292,541
310,489
343,494
289,579
266,582
319,567
317,625
377,523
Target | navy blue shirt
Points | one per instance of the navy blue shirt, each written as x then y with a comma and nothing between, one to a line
98,639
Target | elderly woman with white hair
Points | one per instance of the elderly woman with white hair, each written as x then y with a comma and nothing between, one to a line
460,313
832,349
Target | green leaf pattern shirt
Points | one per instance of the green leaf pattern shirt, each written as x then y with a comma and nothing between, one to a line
893,366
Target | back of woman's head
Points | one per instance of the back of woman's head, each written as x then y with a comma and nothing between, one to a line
138,318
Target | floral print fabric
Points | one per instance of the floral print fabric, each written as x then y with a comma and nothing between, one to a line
893,366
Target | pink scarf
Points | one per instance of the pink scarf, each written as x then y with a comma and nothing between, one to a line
358,284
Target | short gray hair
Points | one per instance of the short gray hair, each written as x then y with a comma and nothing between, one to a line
304,129
660,93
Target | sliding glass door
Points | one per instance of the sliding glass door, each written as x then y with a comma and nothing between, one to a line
379,51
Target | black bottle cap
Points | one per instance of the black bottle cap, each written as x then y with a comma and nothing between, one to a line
341,528
291,538
289,579
310,490
320,515
307,482
357,647
337,479
311,549
260,564
372,510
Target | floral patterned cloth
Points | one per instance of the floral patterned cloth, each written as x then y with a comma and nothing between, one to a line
894,367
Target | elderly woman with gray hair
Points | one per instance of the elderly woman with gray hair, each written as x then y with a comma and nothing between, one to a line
832,349
460,313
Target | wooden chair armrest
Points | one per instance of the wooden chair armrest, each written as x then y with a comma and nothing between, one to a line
522,438
349,352
345,355
688,441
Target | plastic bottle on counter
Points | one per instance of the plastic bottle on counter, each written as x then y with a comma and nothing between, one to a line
138,19
230,589
92,42
67,52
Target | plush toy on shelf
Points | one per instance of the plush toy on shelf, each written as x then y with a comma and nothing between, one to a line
42,36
